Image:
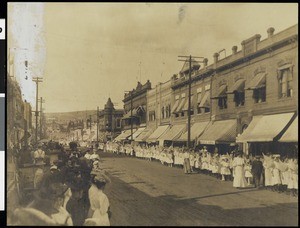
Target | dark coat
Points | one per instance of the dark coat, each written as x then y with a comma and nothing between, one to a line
257,167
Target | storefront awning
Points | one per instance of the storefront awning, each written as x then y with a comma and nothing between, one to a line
242,138
186,105
175,106
258,81
291,134
124,135
138,132
205,102
196,130
174,132
157,133
222,131
239,85
181,104
144,134
268,127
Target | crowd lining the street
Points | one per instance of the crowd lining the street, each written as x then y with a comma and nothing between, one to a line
269,171
68,193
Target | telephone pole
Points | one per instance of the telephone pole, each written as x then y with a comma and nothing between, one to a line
41,100
131,122
189,58
37,80
97,124
90,122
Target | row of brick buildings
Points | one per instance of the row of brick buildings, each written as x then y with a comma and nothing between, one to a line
19,116
248,98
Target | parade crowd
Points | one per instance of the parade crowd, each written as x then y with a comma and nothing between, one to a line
69,193
269,170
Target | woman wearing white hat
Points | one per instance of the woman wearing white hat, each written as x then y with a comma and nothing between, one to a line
99,209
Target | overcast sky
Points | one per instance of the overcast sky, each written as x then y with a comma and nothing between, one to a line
87,52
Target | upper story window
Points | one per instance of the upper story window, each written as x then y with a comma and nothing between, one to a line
151,115
175,105
285,82
258,85
238,90
163,112
186,105
204,105
222,97
168,107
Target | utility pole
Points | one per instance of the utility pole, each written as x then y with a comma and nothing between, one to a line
37,80
90,122
41,100
189,58
131,122
97,124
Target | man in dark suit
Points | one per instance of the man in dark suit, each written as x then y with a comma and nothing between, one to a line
257,169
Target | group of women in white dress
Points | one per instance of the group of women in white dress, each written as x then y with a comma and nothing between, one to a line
281,173
236,167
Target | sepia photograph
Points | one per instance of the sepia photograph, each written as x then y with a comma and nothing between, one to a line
151,114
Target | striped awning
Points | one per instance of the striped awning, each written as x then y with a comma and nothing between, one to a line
174,132
144,134
291,134
175,106
219,132
239,85
258,81
186,105
196,130
268,127
157,133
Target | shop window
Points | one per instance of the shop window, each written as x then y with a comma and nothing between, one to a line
239,98
259,94
222,102
285,82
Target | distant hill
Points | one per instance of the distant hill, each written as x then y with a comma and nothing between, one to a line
62,117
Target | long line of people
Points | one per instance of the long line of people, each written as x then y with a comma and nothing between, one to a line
270,171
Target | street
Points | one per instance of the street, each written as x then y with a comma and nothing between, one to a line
144,193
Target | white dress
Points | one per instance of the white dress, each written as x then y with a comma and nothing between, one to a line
268,166
239,180
293,170
284,173
225,168
100,205
248,173
276,178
